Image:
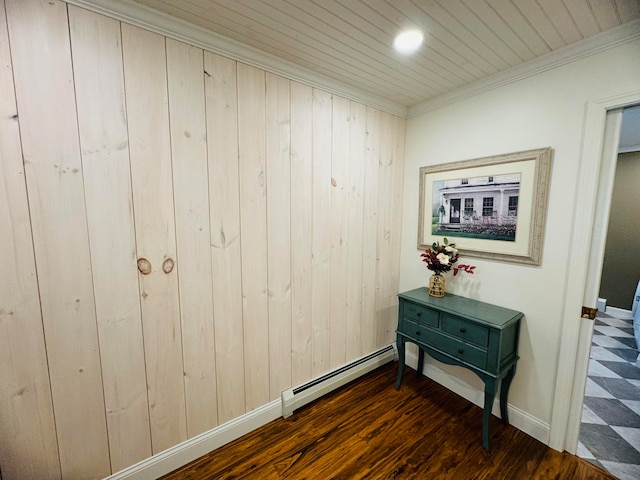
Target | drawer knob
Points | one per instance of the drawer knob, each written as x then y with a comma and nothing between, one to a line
418,333
460,351
419,314
462,330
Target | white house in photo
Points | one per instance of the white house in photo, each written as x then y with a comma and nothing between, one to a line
489,200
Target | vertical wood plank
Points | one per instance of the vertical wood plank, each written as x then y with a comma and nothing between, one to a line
339,226
385,214
28,447
39,38
278,168
301,230
148,121
185,71
355,212
99,82
321,240
224,211
396,223
390,191
253,241
370,231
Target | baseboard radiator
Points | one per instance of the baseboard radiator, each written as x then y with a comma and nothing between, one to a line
297,397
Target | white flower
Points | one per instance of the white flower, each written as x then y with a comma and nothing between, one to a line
443,258
450,250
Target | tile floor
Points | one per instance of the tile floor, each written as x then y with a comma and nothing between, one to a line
610,426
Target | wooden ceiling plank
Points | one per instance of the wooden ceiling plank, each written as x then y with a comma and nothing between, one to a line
333,24
582,15
434,36
496,23
605,13
628,10
438,36
226,25
557,13
479,30
427,58
513,17
539,20
436,53
376,33
206,8
447,25
309,42
295,44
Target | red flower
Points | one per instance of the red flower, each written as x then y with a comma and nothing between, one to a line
466,268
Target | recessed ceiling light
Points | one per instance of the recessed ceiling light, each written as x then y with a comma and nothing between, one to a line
408,41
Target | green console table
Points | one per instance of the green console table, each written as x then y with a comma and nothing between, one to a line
463,332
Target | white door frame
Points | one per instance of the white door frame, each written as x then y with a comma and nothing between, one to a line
574,342
608,163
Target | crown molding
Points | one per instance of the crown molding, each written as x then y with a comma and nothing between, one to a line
621,35
172,27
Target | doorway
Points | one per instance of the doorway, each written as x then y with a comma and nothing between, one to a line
595,182
610,423
454,210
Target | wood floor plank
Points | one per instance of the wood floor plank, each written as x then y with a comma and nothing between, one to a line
367,429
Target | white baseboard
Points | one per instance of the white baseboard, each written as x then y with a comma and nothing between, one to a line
619,313
518,418
189,450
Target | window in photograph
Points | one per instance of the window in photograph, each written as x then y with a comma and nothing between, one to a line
487,206
513,207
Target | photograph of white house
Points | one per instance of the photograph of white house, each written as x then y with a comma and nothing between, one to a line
479,207
208,221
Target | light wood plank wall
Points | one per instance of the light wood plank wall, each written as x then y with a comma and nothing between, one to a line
268,212
106,172
28,446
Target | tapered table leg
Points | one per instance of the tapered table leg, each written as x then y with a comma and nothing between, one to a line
504,393
400,345
489,395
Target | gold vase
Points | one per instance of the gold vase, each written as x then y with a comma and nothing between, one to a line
436,285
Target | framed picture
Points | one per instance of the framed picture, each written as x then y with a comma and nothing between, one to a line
492,207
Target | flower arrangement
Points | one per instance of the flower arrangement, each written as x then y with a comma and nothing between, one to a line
442,258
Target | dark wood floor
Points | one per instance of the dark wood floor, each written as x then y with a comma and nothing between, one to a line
369,430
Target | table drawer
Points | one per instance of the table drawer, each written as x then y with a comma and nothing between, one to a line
465,330
434,339
421,314
463,351
419,332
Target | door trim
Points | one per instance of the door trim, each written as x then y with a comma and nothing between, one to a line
572,346
608,162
